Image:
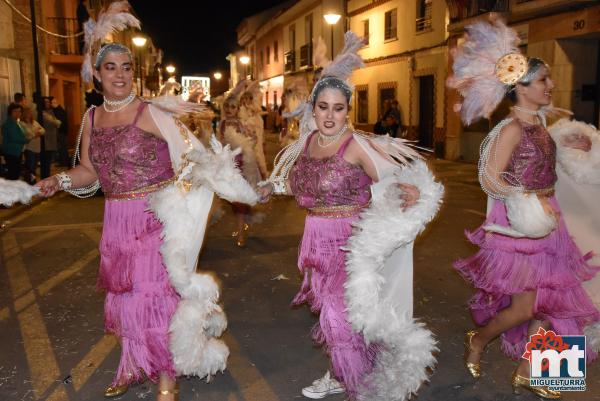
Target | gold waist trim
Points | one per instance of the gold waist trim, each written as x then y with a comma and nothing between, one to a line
333,212
140,193
542,191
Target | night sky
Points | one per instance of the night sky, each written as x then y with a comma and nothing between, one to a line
196,36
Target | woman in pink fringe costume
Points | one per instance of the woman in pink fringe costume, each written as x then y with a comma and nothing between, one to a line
159,182
528,272
331,174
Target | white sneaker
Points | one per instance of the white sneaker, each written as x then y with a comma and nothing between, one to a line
323,387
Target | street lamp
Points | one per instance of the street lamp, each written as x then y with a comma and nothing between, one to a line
245,60
332,19
170,69
140,41
218,75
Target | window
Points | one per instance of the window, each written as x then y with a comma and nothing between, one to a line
308,29
275,51
391,24
362,103
268,55
366,31
424,15
262,58
292,37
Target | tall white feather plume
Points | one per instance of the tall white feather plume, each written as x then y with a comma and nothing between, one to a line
475,68
348,59
117,17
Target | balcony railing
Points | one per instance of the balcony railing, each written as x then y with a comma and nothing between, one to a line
64,26
290,61
306,55
474,8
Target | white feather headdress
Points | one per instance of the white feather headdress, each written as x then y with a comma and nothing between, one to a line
117,17
475,62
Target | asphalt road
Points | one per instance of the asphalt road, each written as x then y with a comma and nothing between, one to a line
53,346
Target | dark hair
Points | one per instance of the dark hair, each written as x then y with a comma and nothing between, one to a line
19,97
12,107
533,66
331,82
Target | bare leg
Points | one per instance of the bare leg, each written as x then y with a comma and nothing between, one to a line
534,325
520,310
165,383
242,230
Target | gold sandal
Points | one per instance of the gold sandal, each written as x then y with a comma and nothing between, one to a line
474,368
522,383
174,391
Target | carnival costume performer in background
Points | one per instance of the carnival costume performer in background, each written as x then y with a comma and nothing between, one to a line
233,132
366,203
295,94
528,271
199,122
159,183
251,116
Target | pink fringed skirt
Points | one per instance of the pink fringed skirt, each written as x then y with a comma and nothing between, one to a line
552,266
139,298
322,261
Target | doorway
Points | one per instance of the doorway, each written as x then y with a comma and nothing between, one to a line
426,113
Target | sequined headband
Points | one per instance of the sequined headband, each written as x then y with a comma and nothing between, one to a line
513,68
111,47
331,82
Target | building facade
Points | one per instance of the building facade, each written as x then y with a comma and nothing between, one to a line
60,55
565,33
405,60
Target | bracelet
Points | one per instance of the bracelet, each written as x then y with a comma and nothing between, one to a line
64,181
279,186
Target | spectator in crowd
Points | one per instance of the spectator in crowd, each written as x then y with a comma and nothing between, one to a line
391,125
395,111
33,131
63,133
51,125
20,99
13,140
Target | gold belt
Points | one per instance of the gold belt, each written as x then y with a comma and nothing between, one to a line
139,193
333,212
542,191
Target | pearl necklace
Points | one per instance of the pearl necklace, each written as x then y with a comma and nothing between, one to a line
116,105
331,139
538,113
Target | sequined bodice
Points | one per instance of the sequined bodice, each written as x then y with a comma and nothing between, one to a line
533,161
127,158
331,181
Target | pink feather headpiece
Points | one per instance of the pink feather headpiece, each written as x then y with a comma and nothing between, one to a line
485,66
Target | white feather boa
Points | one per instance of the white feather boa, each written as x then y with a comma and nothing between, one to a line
184,208
583,167
12,192
406,345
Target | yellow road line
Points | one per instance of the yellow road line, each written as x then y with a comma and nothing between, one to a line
35,229
90,363
57,279
9,253
477,212
251,382
38,349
